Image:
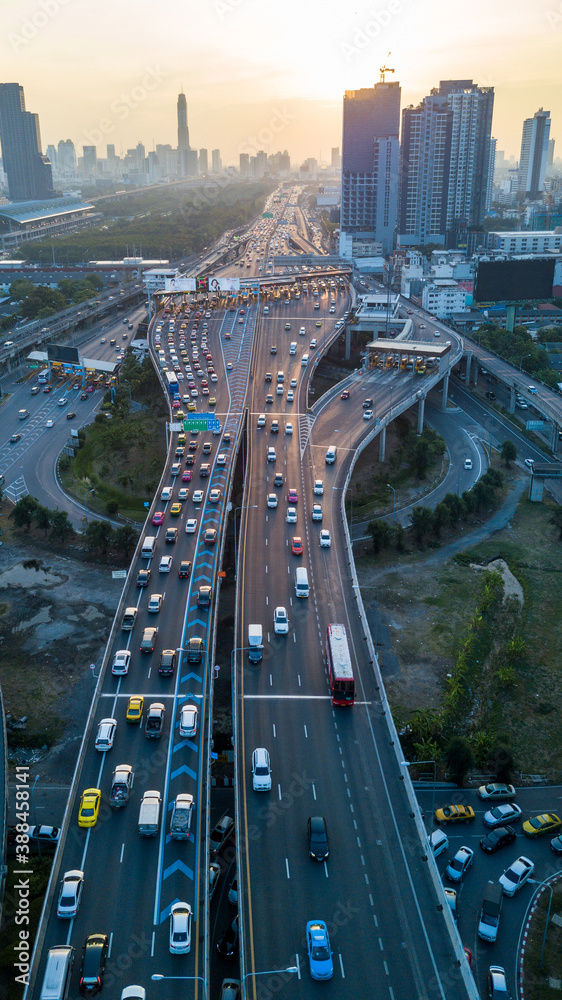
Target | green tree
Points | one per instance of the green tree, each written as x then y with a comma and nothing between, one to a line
125,539
508,453
98,536
459,759
111,507
43,518
501,760
61,528
380,533
441,518
456,506
24,512
421,522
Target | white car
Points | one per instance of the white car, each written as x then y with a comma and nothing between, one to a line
280,621
459,865
439,842
318,488
468,463
290,396
316,512
121,662
291,516
261,770
288,428
165,564
188,720
155,603
325,539
63,400
183,493
197,496
272,500
496,790
166,493
106,734
533,389
191,525
293,383
180,928
302,331
368,415
50,423
69,898
221,458
530,463
313,342
516,875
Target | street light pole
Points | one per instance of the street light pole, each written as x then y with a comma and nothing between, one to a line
157,976
93,490
547,886
409,763
269,972
393,501
236,509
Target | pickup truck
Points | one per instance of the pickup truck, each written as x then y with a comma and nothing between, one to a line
121,785
155,720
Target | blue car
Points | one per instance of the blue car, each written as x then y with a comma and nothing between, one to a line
319,951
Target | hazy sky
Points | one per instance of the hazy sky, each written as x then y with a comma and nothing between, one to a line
265,74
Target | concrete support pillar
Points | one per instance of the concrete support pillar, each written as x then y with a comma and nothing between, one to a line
512,399
468,364
554,439
476,370
382,444
347,343
445,392
421,409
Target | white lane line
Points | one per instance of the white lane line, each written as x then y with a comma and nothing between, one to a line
271,680
305,733
122,853
367,879
359,843
363,860
341,966
375,918
266,569
274,731
287,867
149,672
152,945
110,944
267,602
299,679
381,945
279,792
314,792
294,633
326,870
390,990
355,823
385,966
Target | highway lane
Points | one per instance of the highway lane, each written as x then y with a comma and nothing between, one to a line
324,760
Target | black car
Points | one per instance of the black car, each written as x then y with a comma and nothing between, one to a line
143,578
15,438
502,836
93,964
228,944
317,838
185,568
490,395
167,662
368,404
556,845
71,415
204,597
278,481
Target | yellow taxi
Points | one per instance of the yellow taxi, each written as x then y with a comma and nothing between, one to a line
545,823
134,708
454,814
181,438
212,401
175,509
191,406
89,807
180,415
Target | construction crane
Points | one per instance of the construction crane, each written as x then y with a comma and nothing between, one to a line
385,69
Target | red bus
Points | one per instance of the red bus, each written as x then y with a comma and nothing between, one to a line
340,668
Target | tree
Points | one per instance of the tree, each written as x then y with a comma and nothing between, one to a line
24,512
459,759
43,518
508,453
441,518
98,536
456,506
112,506
503,762
421,523
61,528
125,539
380,533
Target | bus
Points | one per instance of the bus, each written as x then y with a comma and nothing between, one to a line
172,382
340,668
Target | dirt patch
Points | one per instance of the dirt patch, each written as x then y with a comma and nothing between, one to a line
511,586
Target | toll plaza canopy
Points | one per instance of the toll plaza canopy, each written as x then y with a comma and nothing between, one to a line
92,364
421,349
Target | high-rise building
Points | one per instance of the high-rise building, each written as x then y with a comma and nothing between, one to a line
90,161
550,157
446,164
216,161
52,157
244,164
203,161
335,161
28,171
370,152
183,136
534,154
66,157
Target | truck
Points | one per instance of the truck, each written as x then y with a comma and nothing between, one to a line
121,784
255,643
149,814
490,912
180,823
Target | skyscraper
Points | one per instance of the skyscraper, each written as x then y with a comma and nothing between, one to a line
335,162
216,161
244,164
183,136
90,162
446,164
66,156
28,171
534,154
369,199
203,161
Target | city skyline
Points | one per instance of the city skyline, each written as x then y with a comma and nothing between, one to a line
254,80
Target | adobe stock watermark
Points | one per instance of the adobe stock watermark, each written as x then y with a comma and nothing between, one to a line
376,23
277,124
554,17
123,105
223,8
31,26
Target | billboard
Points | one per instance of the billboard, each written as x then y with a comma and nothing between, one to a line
179,284
67,355
514,280
202,284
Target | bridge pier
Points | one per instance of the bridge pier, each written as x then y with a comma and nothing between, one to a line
382,444
445,391
347,343
554,439
421,409
512,399
468,365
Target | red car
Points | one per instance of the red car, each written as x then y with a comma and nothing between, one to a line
176,404
158,517
186,476
293,496
47,388
345,394
296,546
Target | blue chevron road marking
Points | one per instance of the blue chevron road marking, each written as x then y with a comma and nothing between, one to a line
178,866
184,769
185,743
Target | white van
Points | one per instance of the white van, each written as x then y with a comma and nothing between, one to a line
331,455
56,981
302,588
148,545
304,360
293,348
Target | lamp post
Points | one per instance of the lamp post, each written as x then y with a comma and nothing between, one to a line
156,976
251,506
549,887
409,763
93,490
521,360
393,501
270,972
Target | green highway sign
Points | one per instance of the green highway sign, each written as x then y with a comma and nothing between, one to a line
198,423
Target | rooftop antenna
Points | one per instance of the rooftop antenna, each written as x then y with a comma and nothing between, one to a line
385,69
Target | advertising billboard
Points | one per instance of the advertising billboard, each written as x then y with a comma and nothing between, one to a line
67,355
514,280
179,284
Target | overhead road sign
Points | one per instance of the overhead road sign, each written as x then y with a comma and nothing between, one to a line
200,423
311,260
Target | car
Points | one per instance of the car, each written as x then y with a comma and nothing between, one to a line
287,326
313,342
439,842
221,458
316,512
537,826
154,724
83,395
278,479
184,492
292,496
229,366
191,525
345,394
318,321
228,944
367,404
210,536
158,517
556,844
268,399
296,545
501,836
454,814
166,493
180,929
496,790
516,875
165,564
71,415
172,533
155,603
69,897
468,463
318,488
176,469
318,844
293,383
204,594
44,834
89,807
507,812
214,876
49,423
182,812
272,500
48,388
149,636
105,734
93,964
288,429
530,463
451,897
220,833
291,515
175,511
279,389
367,415
135,706
121,662
185,569
197,496
143,577
261,770
532,389
215,495
63,401
319,951
490,395
497,983
188,720
273,349
325,539
459,865
290,396
280,621
185,478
